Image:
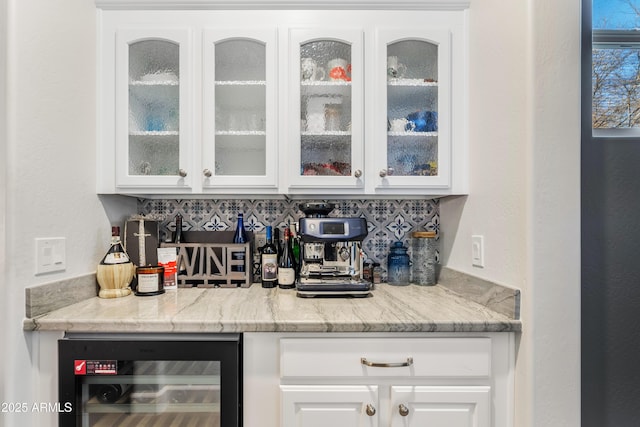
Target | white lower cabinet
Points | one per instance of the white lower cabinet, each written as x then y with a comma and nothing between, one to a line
408,406
440,406
378,379
322,406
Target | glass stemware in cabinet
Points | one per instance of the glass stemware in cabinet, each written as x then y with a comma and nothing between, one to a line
412,108
326,108
154,89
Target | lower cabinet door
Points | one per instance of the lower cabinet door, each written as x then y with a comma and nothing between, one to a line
329,406
454,406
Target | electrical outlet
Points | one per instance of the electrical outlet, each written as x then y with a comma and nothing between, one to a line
259,240
477,251
50,255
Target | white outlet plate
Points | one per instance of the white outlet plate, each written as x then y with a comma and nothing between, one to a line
50,255
477,251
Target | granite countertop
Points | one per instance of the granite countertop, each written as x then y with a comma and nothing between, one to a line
409,308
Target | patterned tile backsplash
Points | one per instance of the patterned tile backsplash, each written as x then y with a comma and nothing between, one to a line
388,220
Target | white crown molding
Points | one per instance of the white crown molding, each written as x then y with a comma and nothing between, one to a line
283,4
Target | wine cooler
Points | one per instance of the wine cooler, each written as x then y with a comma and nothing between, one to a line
152,380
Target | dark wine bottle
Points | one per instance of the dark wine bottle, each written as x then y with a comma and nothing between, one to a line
177,235
111,393
269,262
116,253
116,270
240,236
177,238
286,265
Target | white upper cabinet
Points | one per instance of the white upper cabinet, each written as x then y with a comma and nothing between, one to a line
298,102
153,140
413,113
326,94
239,116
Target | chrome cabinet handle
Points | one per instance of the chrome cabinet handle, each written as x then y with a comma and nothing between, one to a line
403,410
370,410
182,173
409,362
357,173
207,173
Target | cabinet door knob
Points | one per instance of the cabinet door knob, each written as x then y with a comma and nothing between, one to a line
207,173
182,173
403,410
357,173
371,411
386,172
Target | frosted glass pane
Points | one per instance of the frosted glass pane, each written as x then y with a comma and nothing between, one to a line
325,108
240,60
240,107
154,109
240,155
326,155
412,108
413,155
153,155
154,60
420,59
332,57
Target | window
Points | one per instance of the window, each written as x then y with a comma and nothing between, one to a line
616,68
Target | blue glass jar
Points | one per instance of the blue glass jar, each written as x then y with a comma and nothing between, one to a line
398,265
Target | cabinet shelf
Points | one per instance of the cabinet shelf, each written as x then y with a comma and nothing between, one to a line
413,134
154,83
325,133
153,133
240,83
412,82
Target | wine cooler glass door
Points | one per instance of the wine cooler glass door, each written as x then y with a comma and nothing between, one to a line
151,109
327,109
104,387
414,74
240,103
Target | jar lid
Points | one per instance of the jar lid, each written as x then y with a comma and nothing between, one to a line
423,234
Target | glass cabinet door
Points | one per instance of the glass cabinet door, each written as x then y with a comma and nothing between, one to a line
326,109
239,146
414,73
152,79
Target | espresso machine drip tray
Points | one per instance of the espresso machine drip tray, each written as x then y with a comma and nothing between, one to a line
310,287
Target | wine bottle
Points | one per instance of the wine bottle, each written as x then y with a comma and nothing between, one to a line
116,253
116,270
269,262
286,265
240,236
177,235
177,238
295,247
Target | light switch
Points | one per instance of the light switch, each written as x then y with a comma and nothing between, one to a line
50,255
477,251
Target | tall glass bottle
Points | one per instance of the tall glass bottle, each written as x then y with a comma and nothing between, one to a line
115,271
240,236
269,262
177,235
286,265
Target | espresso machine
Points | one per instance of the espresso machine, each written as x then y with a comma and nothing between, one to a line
331,256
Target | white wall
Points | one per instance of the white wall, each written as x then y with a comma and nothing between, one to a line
3,182
524,132
525,190
50,187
